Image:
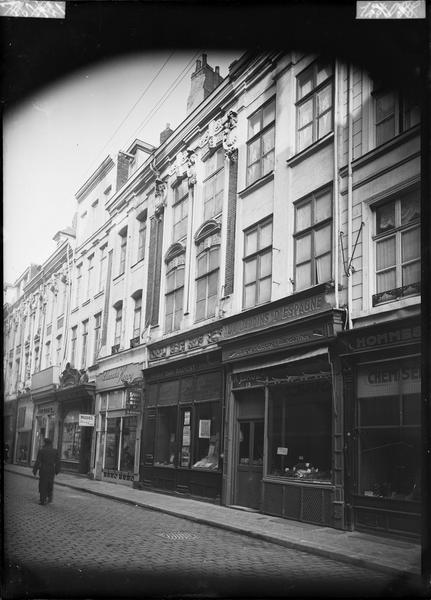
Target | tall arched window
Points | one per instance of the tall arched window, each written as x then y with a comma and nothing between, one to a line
207,242
174,294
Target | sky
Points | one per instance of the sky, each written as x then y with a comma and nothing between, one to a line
56,139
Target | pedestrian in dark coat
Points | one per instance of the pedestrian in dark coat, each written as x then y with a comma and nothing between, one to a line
48,465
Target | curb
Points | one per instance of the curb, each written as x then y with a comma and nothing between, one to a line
303,546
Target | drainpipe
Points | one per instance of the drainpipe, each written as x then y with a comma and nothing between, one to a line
349,194
336,190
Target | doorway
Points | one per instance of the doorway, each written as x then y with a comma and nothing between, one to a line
249,463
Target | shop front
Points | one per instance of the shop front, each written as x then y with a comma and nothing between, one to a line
284,445
24,424
382,373
9,420
46,423
182,432
118,423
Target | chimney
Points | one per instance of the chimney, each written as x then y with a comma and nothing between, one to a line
122,169
204,80
166,133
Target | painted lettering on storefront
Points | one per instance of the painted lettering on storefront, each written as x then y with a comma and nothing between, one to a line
395,336
378,377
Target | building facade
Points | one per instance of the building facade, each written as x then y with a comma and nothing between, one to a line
246,300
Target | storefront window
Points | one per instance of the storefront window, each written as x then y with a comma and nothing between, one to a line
299,433
389,430
128,438
148,436
71,440
112,443
165,443
23,446
207,436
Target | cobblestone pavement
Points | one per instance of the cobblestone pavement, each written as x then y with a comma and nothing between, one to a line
85,546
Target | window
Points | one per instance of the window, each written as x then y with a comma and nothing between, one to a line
389,419
17,373
36,360
90,275
180,210
73,345
102,272
397,247
78,284
165,439
142,233
206,437
314,104
174,297
299,432
137,314
118,320
123,251
97,326
213,185
394,113
208,262
58,351
261,141
84,343
313,240
47,354
71,438
257,264
21,417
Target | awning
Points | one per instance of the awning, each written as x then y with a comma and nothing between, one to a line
289,359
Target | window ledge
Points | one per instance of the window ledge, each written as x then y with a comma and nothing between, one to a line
300,156
256,185
390,305
98,294
74,309
86,302
138,262
118,277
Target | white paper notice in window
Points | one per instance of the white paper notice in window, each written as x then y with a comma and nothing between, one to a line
204,428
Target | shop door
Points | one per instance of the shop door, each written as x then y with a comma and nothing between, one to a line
249,463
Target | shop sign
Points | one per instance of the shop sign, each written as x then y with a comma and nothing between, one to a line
134,400
259,379
86,420
290,311
389,379
46,410
386,338
118,376
203,340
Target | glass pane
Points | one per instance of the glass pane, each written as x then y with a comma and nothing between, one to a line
200,309
385,106
324,125
385,253
254,124
323,72
169,304
303,248
251,242
410,244
202,264
385,217
305,113
212,283
386,281
253,173
385,130
165,439
303,276
268,163
384,410
179,276
214,258
305,83
250,295
265,264
127,456
268,113
244,444
322,207
322,240
264,290
410,208
265,235
305,137
207,436
412,273
324,100
323,268
254,151
112,443
250,271
268,140
303,216
257,456
219,181
411,409
201,288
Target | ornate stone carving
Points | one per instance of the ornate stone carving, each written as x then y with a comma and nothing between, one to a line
158,209
160,188
185,165
214,336
230,138
156,353
177,347
196,342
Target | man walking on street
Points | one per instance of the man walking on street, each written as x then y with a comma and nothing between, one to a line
48,465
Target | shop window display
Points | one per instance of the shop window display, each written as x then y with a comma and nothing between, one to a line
71,439
299,434
128,439
207,436
389,409
165,446
112,443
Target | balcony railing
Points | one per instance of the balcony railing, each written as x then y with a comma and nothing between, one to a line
400,292
134,342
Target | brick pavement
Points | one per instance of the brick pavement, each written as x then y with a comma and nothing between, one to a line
92,546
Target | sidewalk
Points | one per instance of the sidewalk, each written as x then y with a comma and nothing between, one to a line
365,550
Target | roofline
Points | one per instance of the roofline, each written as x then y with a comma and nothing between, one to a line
95,178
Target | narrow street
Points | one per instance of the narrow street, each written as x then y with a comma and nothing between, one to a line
85,546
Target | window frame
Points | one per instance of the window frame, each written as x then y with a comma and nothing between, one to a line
180,200
103,262
206,251
142,235
118,307
177,297
257,254
123,251
73,341
137,297
97,328
84,346
263,129
211,180
403,107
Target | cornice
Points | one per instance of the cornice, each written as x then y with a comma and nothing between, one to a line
95,178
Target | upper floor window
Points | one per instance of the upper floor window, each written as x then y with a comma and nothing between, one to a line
213,184
78,284
180,210
84,343
208,264
90,267
73,345
97,328
137,313
47,354
394,113
123,251
58,351
118,320
142,234
397,247
261,142
103,261
257,264
313,239
314,104
174,294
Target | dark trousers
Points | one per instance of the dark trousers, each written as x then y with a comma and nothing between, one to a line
46,488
